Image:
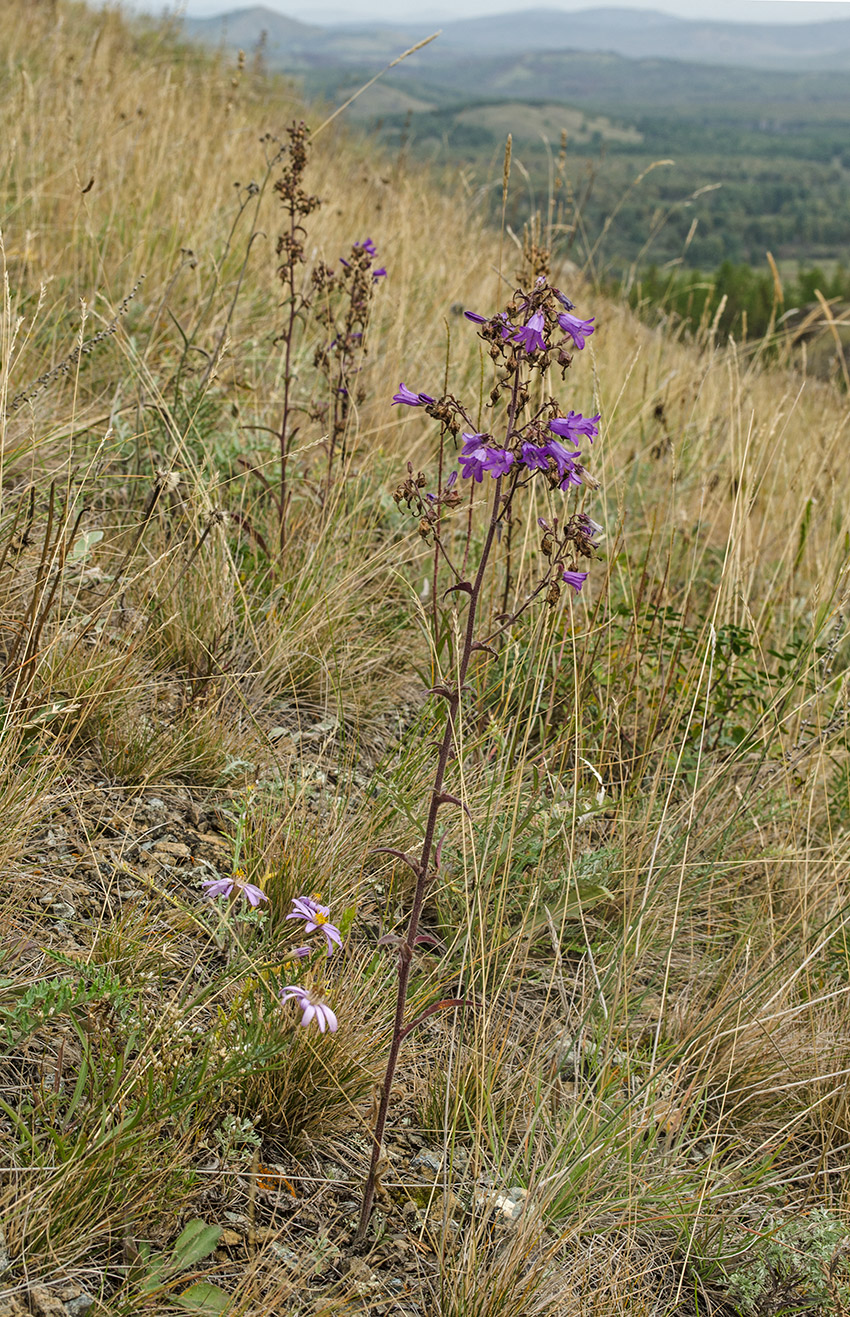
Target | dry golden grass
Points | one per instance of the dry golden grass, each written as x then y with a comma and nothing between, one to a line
648,900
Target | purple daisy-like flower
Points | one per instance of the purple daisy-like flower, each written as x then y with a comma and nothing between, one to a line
315,916
530,336
225,886
578,330
411,399
311,1008
569,426
575,579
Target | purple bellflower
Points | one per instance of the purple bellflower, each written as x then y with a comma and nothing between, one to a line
537,457
569,426
411,399
530,336
575,579
236,882
505,327
578,330
476,458
315,916
311,1008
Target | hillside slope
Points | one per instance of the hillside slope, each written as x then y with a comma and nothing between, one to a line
301,581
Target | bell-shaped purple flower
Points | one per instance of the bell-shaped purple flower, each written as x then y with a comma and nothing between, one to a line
411,399
505,327
575,579
530,336
578,330
573,424
476,458
535,457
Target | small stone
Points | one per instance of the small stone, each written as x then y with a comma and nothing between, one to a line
79,1305
509,1203
428,1160
12,1307
177,848
45,1304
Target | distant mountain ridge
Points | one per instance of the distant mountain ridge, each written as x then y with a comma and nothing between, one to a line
640,34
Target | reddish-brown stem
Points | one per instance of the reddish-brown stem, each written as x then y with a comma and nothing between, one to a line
287,386
424,875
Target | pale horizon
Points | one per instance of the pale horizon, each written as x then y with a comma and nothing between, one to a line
412,11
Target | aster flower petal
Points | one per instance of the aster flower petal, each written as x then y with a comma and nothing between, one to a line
225,887
310,1008
217,886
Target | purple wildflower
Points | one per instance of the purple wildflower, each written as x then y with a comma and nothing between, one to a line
569,426
238,882
476,458
315,916
565,301
575,579
578,330
378,274
310,1008
367,245
505,327
411,399
563,459
530,336
535,457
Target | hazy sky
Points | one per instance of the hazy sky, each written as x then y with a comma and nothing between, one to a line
335,11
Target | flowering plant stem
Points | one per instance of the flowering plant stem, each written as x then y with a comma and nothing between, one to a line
422,867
